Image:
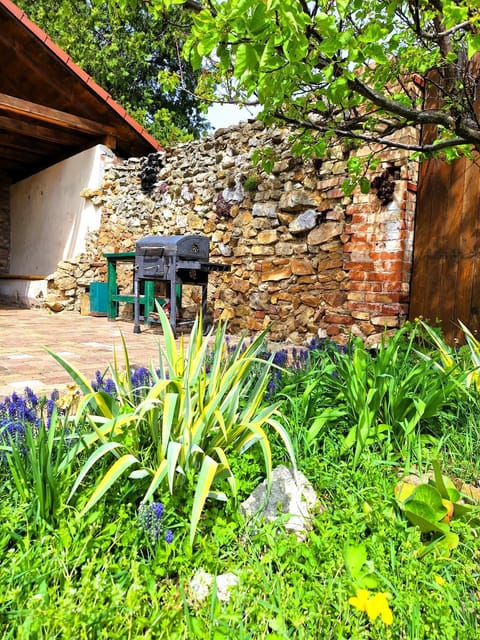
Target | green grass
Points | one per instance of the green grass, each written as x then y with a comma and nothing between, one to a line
98,575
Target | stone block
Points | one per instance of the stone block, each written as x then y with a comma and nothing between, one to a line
280,273
304,222
263,250
324,232
239,285
310,300
268,236
264,210
385,321
284,249
334,298
297,200
301,267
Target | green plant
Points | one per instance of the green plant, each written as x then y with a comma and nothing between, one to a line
359,570
463,365
95,573
388,393
431,506
303,390
251,183
39,468
181,435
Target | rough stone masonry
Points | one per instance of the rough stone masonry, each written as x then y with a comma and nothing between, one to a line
303,255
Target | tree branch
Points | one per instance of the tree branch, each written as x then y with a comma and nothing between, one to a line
427,116
346,133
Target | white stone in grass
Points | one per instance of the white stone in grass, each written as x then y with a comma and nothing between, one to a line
200,586
292,498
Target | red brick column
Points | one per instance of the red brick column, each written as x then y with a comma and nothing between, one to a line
378,258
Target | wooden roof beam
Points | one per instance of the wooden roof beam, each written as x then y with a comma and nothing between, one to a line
39,132
32,111
7,141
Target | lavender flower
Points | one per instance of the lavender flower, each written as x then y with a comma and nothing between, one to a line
140,378
19,413
103,384
150,518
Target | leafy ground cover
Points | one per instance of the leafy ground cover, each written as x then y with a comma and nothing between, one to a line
116,494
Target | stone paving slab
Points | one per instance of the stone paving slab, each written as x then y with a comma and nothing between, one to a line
87,342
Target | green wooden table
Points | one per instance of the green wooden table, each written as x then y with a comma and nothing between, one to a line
147,297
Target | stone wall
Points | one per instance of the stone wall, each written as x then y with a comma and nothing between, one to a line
4,223
303,255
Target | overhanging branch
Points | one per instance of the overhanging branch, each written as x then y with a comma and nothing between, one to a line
371,139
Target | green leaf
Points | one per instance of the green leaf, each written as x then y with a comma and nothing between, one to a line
76,376
426,498
173,453
445,544
327,415
204,482
112,475
444,485
365,185
171,350
246,59
169,412
354,557
425,523
157,479
377,53
95,456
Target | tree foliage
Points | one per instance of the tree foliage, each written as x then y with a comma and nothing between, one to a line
133,56
364,70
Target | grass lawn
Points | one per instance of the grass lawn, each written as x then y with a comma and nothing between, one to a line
119,497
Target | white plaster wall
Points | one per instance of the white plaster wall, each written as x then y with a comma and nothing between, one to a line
49,219
24,292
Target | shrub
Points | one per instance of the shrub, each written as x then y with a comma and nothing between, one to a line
193,418
389,396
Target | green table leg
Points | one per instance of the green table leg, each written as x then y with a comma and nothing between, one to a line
112,306
148,300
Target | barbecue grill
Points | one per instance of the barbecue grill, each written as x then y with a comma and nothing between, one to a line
174,260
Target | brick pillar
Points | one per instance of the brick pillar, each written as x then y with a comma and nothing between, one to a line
378,257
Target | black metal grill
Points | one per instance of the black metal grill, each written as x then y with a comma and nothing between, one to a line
176,260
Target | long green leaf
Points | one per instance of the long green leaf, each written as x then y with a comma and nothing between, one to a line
96,455
282,432
128,372
230,477
156,392
173,453
157,479
204,482
76,376
171,350
112,475
168,418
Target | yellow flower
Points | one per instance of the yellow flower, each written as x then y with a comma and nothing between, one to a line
439,580
373,605
377,605
360,600
69,400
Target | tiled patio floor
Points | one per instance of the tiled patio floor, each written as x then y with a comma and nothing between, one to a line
87,342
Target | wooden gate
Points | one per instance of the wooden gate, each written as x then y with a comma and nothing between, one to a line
446,258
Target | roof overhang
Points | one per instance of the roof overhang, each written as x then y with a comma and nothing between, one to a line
51,109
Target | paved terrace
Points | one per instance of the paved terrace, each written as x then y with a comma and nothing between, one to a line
86,342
